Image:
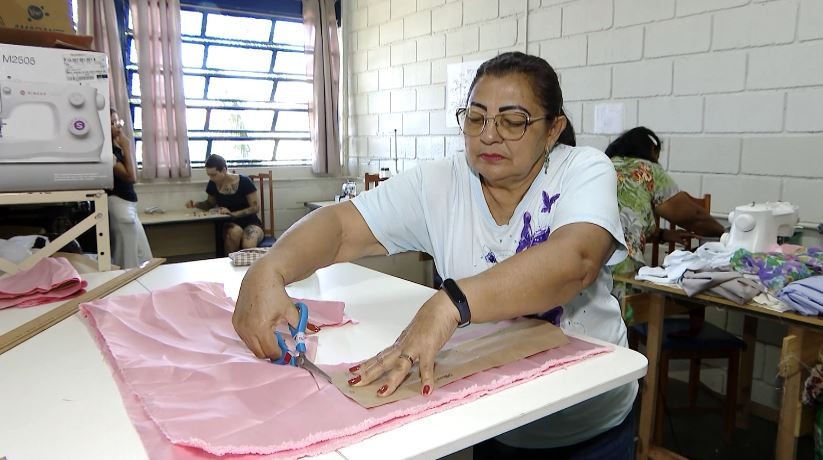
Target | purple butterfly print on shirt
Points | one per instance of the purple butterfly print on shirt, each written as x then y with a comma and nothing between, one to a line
528,238
548,202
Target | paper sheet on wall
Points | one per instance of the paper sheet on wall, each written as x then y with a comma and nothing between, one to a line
459,77
608,118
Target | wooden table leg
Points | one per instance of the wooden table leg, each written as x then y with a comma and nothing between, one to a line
800,348
789,369
648,402
744,391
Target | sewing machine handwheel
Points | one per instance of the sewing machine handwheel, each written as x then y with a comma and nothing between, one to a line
744,223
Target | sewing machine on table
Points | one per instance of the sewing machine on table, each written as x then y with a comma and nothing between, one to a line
756,226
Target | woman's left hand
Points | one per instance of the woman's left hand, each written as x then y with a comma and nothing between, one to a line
428,331
224,211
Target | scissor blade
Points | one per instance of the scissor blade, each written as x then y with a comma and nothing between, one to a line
311,367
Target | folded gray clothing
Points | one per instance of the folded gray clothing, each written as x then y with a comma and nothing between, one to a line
729,285
805,296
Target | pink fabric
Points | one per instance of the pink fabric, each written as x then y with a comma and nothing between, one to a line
49,280
186,378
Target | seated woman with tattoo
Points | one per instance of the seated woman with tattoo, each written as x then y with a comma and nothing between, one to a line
235,195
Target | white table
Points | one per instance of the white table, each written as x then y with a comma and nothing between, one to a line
383,305
57,397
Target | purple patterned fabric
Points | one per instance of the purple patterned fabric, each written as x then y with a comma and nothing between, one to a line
776,269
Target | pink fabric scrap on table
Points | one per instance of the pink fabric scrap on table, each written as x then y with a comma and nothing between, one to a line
50,280
329,313
194,391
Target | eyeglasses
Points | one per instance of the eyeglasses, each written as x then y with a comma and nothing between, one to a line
511,126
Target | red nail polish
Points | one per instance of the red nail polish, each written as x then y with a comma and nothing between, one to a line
426,390
354,380
383,389
312,328
354,368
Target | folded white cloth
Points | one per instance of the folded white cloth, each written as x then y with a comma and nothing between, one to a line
771,302
712,256
656,275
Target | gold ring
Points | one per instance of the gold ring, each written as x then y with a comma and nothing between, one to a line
411,361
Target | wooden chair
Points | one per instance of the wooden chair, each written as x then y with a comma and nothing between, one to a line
265,186
372,180
693,339
705,202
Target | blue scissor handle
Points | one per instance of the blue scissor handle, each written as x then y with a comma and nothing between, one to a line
298,334
284,351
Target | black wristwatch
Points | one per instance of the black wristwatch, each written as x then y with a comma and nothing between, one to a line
459,300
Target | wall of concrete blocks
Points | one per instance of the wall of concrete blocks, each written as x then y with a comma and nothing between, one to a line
733,87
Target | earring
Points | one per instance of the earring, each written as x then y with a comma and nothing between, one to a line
546,161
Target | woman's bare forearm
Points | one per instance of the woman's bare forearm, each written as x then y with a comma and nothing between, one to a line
245,212
323,237
540,278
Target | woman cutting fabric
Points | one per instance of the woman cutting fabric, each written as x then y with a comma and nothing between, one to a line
644,190
236,196
523,208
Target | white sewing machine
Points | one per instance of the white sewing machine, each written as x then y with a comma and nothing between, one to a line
50,122
756,226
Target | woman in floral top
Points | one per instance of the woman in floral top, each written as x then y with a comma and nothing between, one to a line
645,189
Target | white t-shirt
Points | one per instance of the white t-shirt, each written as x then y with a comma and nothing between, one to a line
439,208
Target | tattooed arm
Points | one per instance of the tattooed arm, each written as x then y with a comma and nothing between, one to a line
204,205
254,206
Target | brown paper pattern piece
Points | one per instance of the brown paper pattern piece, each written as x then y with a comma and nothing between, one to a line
524,338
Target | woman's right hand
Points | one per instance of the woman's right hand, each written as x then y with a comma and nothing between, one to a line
190,204
261,305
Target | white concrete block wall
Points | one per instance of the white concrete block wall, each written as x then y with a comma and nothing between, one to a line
631,12
733,87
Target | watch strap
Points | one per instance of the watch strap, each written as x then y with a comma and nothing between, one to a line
459,300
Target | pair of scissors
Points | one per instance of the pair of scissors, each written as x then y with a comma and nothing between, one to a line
297,357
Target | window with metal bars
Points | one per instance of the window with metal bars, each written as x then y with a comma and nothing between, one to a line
246,87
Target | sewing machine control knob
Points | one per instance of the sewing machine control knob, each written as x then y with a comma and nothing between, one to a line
744,222
79,127
100,101
77,100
